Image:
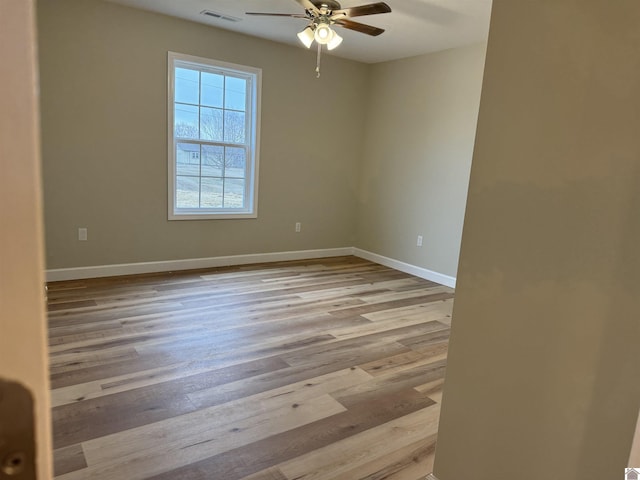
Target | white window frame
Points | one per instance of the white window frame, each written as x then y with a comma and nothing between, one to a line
254,76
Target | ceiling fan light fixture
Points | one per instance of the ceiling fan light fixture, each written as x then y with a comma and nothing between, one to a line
322,14
306,36
335,41
323,34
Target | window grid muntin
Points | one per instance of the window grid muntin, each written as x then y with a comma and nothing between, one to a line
247,165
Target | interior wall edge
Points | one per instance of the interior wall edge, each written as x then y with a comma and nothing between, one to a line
634,457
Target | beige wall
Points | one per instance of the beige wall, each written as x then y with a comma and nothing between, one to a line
419,141
543,369
104,89
23,334
103,77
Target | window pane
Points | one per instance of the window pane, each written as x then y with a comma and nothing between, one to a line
235,92
188,159
235,162
211,154
234,127
211,192
233,193
212,160
187,190
212,90
186,121
187,85
211,124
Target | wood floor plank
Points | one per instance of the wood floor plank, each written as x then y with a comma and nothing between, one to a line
366,392
70,362
344,348
374,307
427,340
345,455
406,463
400,293
311,292
68,459
61,335
313,369
268,474
432,389
115,313
277,449
309,387
444,307
186,445
71,305
387,364
345,332
222,414
91,418
354,288
186,352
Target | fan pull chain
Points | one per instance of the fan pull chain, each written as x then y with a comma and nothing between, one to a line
318,61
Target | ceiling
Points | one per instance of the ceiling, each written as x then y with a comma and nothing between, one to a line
414,27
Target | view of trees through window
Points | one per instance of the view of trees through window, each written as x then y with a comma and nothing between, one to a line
211,144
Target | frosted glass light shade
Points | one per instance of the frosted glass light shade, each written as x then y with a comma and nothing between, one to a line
306,37
335,41
323,34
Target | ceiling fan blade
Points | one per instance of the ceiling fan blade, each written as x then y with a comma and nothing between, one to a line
370,9
308,5
294,15
359,27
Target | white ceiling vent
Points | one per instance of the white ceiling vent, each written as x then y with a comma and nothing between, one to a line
220,16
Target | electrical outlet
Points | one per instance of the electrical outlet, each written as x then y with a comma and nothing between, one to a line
82,234
298,227
419,242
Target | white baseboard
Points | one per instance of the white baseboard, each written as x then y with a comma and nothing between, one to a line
78,273
406,268
189,264
431,476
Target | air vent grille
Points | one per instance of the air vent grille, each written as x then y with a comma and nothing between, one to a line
220,16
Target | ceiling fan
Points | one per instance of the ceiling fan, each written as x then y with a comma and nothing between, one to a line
321,14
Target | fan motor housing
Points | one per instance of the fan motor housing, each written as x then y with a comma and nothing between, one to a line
331,4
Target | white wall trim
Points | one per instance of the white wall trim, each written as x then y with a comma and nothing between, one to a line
406,268
431,476
77,273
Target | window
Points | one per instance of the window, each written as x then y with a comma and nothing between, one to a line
213,115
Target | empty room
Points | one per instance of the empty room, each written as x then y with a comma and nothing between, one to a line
253,221
266,293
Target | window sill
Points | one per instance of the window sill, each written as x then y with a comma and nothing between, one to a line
212,216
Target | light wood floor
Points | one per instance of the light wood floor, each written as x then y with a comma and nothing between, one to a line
322,369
